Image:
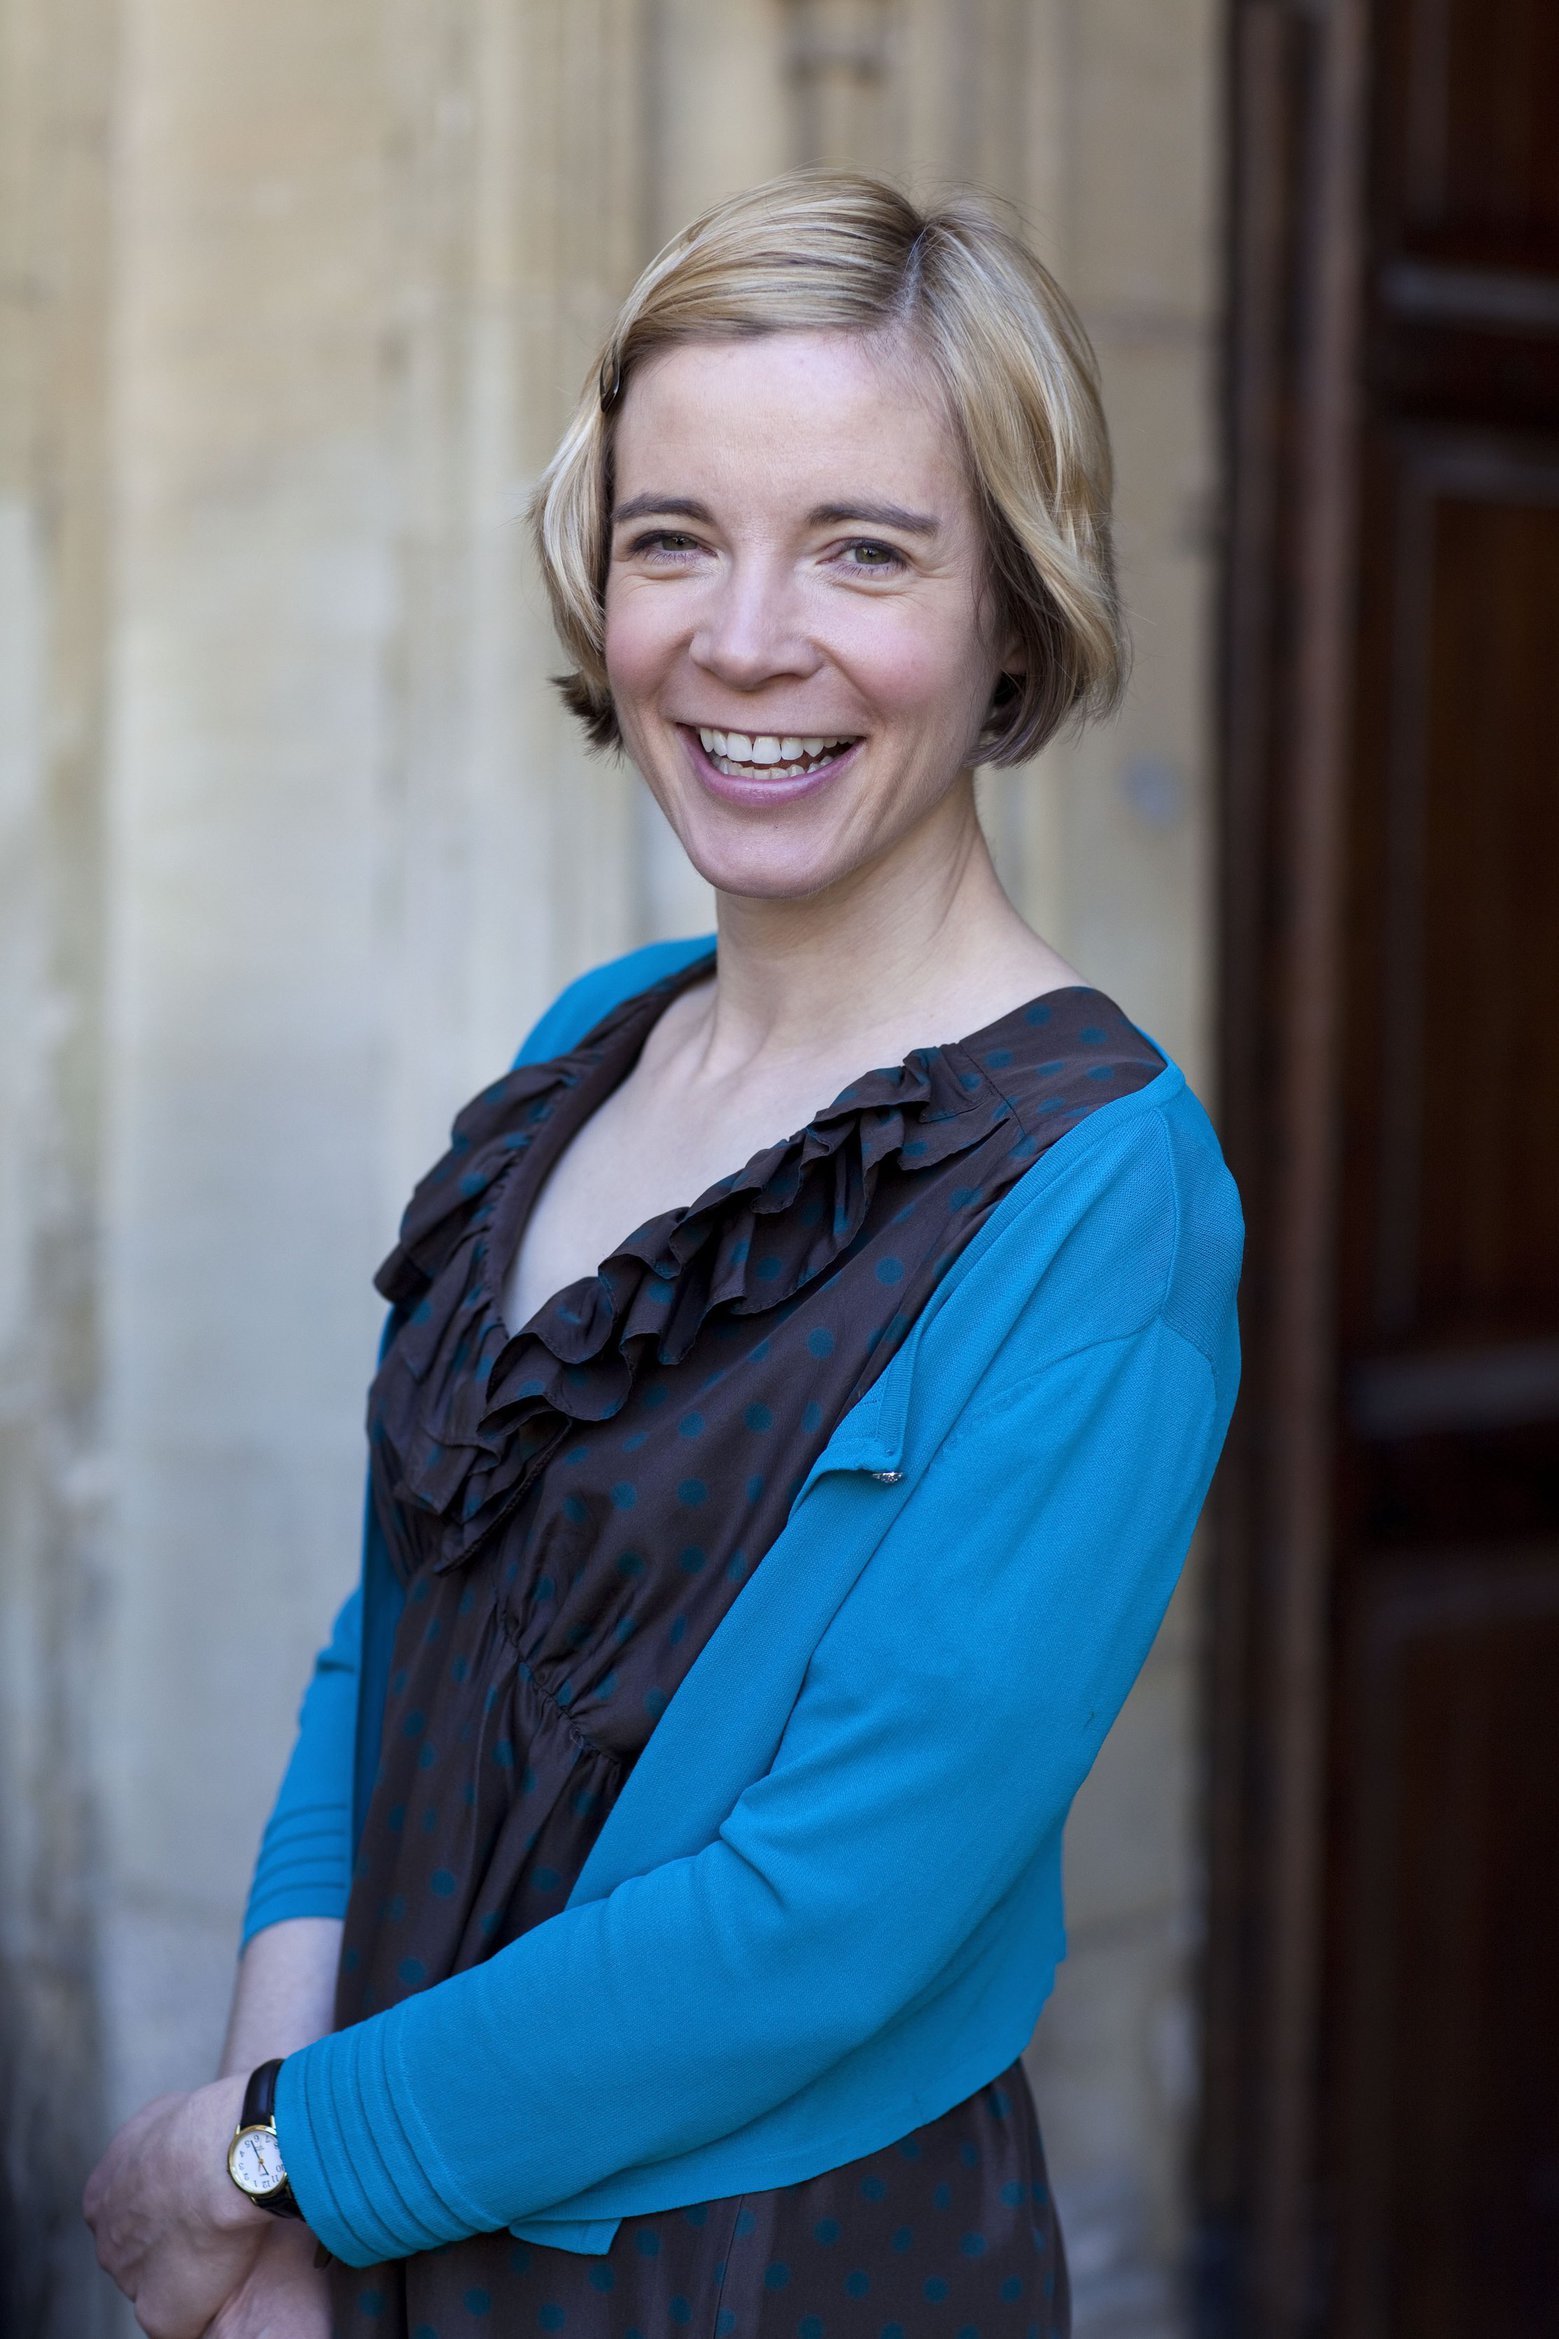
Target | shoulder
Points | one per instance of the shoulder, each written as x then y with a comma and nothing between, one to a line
1130,1218
593,995
1060,1058
1209,1230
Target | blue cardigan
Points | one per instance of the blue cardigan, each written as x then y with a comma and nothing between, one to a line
827,1904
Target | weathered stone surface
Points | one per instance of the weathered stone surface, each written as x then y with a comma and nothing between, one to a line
55,551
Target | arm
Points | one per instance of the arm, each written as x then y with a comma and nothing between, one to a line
693,1998
305,1863
170,2227
284,1996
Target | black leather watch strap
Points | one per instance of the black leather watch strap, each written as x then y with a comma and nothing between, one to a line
260,2112
260,2095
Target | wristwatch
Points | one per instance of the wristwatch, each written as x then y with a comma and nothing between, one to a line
254,2160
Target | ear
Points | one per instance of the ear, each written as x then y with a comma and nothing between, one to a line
1012,662
1012,665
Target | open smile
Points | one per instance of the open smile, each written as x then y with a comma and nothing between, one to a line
769,755
763,770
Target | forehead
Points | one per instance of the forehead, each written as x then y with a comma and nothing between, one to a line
795,414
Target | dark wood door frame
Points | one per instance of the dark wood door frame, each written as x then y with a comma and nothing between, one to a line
1296,74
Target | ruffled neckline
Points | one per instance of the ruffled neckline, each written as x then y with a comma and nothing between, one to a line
474,1410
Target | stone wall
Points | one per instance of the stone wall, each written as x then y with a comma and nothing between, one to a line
56,82
294,843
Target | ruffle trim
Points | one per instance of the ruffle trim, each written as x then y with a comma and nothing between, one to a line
472,1412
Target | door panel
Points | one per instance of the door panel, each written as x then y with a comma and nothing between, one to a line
1381,2147
1455,1112
1465,129
1452,2084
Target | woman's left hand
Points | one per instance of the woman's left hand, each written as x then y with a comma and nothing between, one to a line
170,2225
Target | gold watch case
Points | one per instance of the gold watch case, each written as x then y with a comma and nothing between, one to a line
255,2164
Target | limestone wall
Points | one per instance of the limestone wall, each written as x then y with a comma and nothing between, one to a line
56,74
293,844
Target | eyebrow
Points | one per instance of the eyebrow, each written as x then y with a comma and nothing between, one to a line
875,516
686,507
647,507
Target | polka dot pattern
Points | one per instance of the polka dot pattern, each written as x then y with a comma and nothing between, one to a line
857,2253
572,1511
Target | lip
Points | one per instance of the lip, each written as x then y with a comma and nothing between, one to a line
760,794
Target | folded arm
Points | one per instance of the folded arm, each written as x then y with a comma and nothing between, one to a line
947,1718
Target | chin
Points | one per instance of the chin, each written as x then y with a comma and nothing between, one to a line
764,871
791,856
800,850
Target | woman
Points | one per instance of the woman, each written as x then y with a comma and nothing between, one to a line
762,1583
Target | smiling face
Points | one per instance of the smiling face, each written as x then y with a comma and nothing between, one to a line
796,633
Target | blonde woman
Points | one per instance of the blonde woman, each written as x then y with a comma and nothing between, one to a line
804,1373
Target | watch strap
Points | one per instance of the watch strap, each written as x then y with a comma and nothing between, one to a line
260,2096
260,2112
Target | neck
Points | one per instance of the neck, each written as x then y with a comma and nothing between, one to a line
916,941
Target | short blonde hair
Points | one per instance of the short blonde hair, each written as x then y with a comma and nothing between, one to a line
835,250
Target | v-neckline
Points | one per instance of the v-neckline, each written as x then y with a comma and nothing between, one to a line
509,1220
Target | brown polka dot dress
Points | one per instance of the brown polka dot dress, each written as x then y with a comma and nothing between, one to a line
572,1508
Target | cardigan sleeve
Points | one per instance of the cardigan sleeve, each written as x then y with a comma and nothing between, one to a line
304,1867
948,1715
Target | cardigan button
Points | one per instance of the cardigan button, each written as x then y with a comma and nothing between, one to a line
888,1477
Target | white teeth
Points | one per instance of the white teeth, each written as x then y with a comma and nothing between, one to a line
768,749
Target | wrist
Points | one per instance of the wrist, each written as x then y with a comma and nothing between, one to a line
214,2112
255,2161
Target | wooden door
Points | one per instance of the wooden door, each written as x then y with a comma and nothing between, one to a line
1381,2144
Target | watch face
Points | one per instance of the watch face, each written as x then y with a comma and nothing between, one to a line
255,2162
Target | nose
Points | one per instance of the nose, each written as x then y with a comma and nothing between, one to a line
751,630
